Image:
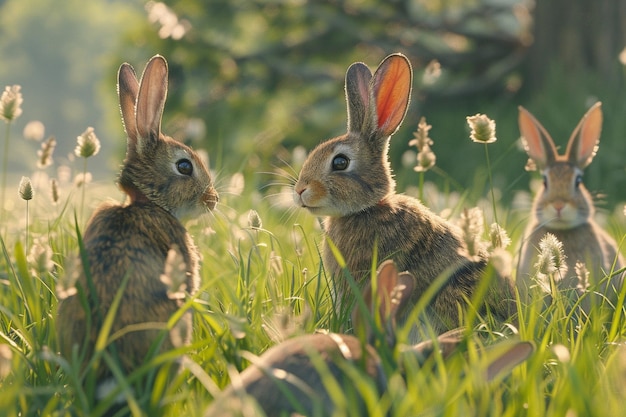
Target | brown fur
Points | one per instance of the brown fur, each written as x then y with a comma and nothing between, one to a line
296,369
418,241
133,243
361,206
133,239
582,238
289,368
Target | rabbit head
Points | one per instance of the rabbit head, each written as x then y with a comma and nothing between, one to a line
157,167
351,172
564,202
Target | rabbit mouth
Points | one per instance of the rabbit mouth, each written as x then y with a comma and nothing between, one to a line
314,210
299,200
561,217
210,199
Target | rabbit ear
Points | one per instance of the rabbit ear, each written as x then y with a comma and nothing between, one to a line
536,140
151,99
446,344
358,78
127,87
391,87
583,144
512,356
393,291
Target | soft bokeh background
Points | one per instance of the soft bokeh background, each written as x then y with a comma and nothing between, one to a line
251,81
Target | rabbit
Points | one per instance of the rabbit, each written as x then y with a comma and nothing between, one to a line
164,181
349,181
290,377
565,208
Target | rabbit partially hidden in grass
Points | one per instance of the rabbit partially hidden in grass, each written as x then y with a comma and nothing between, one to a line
298,375
348,180
565,208
164,181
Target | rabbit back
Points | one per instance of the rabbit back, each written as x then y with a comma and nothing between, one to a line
286,374
165,181
134,240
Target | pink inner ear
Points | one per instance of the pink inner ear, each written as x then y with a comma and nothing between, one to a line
387,279
589,137
392,95
531,132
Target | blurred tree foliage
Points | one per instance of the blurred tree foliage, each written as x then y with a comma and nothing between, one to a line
57,52
253,80
267,76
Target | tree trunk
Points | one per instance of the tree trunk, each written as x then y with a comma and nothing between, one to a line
580,35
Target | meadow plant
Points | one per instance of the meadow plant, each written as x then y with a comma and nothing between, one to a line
26,193
262,281
45,153
472,225
10,109
483,130
87,145
498,237
582,274
6,356
34,130
550,266
426,158
54,191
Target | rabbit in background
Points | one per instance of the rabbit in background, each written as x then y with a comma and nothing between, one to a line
565,208
292,378
164,181
349,181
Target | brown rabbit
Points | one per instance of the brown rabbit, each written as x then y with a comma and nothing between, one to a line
164,180
565,208
292,377
348,179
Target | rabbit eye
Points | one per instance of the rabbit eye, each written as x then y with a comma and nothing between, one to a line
184,166
579,180
340,162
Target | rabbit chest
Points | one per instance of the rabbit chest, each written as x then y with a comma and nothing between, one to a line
403,230
586,243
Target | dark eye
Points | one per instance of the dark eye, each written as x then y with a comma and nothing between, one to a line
340,162
184,166
579,180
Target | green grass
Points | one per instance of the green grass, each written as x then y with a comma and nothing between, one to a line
260,286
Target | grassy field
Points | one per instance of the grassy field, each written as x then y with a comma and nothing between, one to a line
262,282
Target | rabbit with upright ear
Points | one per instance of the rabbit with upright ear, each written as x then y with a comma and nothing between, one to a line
564,207
293,376
348,180
164,181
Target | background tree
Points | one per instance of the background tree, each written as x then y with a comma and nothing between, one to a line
252,80
266,77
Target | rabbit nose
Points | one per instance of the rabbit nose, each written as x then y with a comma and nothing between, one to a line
558,206
210,198
298,197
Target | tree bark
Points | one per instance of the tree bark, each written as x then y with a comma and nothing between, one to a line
580,35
